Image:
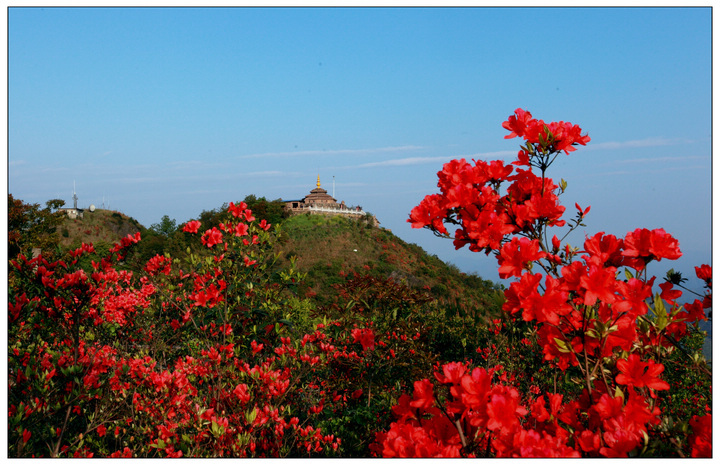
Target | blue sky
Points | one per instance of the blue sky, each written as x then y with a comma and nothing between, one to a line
176,111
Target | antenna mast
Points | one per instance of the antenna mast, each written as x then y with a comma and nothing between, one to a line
333,186
74,196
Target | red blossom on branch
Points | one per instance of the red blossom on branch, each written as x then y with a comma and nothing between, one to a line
191,227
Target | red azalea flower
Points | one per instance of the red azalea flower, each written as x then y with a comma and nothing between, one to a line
264,225
604,250
643,245
423,397
191,226
237,210
504,410
476,387
517,123
211,237
241,392
452,373
515,255
635,372
403,409
241,229
599,283
365,337
701,439
158,264
704,272
669,294
430,212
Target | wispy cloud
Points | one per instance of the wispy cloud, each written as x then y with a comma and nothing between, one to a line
262,174
198,177
636,172
659,159
403,162
402,148
643,143
423,160
59,169
492,155
650,142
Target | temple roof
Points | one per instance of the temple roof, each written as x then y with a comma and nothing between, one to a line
319,194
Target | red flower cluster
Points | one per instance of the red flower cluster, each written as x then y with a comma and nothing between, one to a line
586,313
471,199
191,226
554,137
365,337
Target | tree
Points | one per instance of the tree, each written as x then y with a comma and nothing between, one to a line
30,227
166,226
272,211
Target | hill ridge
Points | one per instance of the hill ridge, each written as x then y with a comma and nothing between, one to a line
328,249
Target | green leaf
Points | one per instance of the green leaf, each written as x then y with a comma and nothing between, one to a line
543,142
250,416
562,346
628,274
661,319
216,429
287,322
160,444
619,392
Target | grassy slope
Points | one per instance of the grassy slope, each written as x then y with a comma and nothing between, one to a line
329,247
94,227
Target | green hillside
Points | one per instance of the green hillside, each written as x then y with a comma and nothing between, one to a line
99,226
329,249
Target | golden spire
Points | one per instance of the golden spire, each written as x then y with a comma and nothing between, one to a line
318,182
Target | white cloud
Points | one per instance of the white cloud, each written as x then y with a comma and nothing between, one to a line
651,159
636,172
262,174
402,148
422,160
403,162
650,142
491,155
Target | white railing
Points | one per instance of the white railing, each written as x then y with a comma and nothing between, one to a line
343,211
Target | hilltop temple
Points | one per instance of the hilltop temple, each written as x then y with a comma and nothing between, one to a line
318,201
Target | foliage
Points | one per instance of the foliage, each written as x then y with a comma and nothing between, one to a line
29,226
330,248
166,227
272,211
96,226
214,354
